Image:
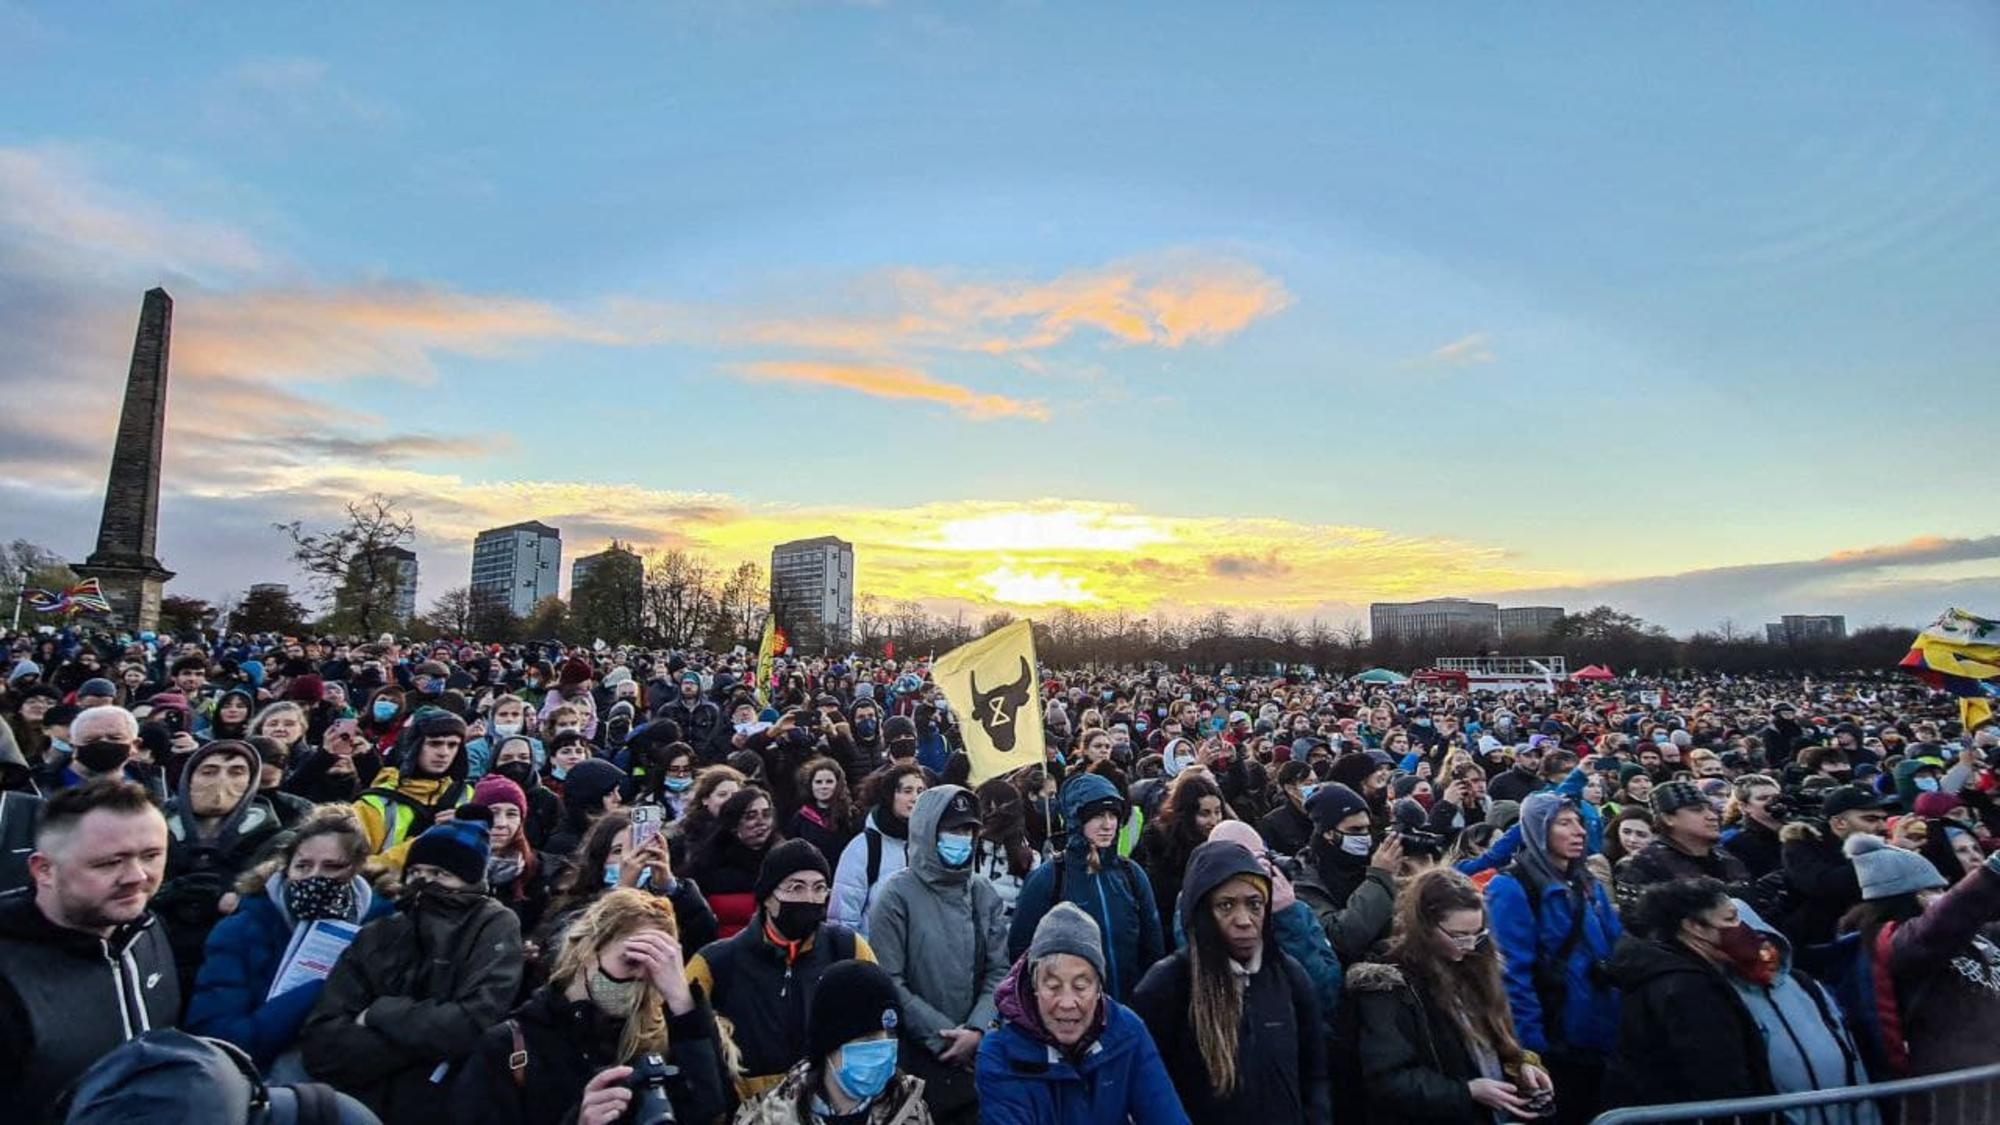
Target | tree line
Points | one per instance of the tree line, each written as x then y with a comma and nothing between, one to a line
683,599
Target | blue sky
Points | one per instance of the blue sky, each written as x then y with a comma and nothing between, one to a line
1407,302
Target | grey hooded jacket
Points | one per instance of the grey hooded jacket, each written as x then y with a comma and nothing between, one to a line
940,933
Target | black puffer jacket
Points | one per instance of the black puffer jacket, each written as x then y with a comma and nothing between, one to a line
1662,862
429,981
567,1042
1683,1032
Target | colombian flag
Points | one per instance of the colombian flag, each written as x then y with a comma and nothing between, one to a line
1960,653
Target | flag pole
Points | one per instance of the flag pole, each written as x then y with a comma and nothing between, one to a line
20,596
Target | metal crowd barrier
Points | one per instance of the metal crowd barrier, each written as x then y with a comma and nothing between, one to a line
1959,1097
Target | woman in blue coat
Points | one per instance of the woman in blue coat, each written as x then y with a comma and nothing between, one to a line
1555,928
1065,1052
1091,874
316,874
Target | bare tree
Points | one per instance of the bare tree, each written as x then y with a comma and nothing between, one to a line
680,596
741,606
451,614
354,565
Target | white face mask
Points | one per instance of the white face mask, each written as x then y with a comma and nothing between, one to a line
1357,843
506,730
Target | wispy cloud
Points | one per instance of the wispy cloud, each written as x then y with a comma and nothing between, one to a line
897,383
290,92
1466,351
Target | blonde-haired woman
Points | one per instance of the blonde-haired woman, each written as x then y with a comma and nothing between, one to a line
1433,1033
617,1000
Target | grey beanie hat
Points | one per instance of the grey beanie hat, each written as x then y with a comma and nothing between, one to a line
1067,929
1886,870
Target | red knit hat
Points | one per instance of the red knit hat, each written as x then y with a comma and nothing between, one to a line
496,790
575,670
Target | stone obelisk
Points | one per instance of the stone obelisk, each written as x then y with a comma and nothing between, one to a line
123,563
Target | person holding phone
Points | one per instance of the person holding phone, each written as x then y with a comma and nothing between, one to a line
1433,1037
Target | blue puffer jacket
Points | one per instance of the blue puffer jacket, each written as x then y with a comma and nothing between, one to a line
1589,1019
1023,1081
1119,897
240,961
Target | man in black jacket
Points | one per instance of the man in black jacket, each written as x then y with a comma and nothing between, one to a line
83,965
1818,873
411,997
1686,847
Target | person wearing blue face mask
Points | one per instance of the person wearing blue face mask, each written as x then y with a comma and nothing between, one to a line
940,932
850,1072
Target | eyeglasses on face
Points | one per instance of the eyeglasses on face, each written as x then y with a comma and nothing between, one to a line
1467,942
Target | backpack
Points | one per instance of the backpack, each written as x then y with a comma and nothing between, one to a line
1551,976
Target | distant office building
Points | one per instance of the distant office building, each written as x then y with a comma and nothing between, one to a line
812,591
1433,619
397,565
1794,628
519,564
625,560
1528,620
272,589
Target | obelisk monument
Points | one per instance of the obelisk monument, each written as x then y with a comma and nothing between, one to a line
123,563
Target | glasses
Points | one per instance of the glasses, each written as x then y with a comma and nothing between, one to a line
1466,942
798,890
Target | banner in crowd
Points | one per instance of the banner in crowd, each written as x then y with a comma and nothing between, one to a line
85,595
766,654
1960,653
992,685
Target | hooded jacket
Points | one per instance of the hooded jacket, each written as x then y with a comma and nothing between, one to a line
202,867
1025,1079
1281,1062
1533,912
1807,1042
429,980
400,805
852,888
1118,895
68,997
244,953
1684,1033
940,933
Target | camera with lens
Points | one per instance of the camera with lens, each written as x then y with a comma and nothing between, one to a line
1286,865
1422,843
648,1083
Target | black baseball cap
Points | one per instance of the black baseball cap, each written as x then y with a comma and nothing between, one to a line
1852,798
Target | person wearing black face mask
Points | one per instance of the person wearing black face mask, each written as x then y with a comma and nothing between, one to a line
1347,879
762,980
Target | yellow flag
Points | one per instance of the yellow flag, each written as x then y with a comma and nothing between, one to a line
994,688
765,653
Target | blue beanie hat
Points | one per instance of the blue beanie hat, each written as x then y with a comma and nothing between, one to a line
460,845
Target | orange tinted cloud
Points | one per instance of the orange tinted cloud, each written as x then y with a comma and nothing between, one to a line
369,330
1163,301
898,383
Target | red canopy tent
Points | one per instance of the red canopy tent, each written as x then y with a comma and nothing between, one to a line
1596,673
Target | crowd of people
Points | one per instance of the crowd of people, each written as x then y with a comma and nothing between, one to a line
337,879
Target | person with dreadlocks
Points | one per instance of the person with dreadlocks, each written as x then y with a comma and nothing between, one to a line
1235,1017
